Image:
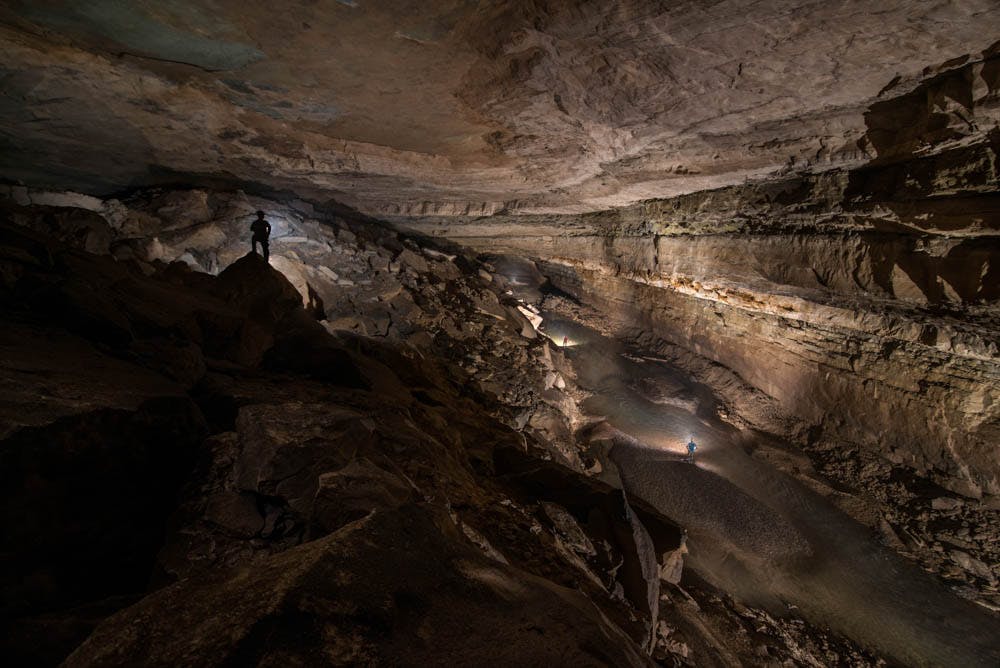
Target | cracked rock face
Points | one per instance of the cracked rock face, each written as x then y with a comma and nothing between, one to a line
509,105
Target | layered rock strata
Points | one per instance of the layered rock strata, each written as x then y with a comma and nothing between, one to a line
864,301
452,108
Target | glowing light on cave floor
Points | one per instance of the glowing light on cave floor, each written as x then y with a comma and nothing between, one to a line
561,341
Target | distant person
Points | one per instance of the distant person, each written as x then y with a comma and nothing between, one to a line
691,447
565,341
261,233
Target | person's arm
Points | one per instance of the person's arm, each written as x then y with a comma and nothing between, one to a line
268,229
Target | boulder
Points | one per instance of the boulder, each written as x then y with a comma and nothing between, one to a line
252,286
353,492
399,587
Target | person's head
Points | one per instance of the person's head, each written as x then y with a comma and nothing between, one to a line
260,214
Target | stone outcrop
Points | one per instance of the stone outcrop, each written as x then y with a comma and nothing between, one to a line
403,588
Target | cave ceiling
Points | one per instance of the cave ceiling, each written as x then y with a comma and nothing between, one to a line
413,107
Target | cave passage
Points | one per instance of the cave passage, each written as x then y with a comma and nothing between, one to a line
789,545
358,333
753,530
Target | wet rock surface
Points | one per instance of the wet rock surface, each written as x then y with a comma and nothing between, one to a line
846,578
907,512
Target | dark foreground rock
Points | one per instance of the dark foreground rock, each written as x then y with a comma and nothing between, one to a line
198,472
394,588
289,494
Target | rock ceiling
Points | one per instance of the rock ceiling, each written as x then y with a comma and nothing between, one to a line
412,107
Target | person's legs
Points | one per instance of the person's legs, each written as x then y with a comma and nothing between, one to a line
264,247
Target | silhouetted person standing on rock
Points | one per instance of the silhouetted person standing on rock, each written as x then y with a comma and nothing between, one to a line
261,233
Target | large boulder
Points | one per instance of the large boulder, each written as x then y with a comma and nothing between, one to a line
251,285
401,588
263,297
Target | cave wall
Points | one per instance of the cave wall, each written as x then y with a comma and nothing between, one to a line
864,300
860,377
